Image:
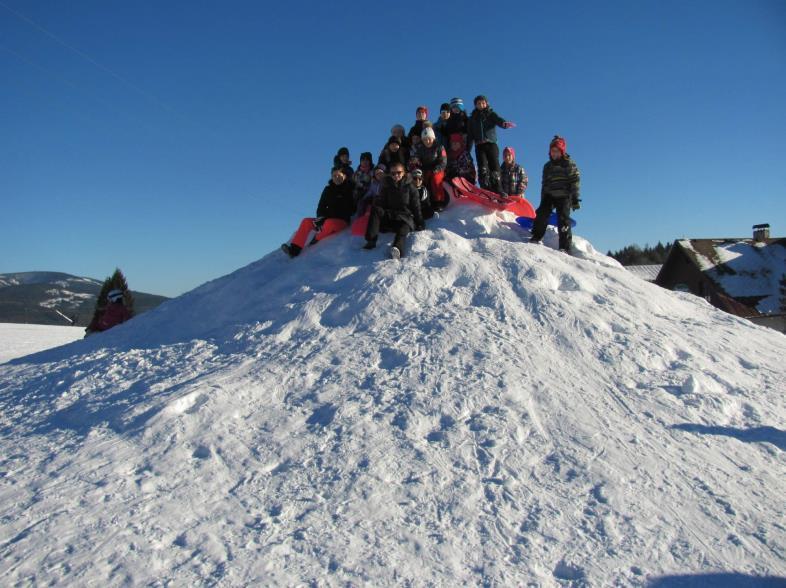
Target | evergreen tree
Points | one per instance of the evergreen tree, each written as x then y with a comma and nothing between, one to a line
634,255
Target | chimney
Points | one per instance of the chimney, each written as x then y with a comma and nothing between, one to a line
761,233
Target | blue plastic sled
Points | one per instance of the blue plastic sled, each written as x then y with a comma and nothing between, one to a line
526,223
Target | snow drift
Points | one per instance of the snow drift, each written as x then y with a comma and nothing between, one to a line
485,411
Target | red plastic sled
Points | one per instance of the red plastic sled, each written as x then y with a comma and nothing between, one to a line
462,188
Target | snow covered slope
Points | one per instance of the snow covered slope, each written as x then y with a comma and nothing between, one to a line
484,412
20,340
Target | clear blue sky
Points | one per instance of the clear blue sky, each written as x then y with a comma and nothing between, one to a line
182,140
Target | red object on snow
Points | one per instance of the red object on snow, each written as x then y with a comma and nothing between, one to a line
360,223
461,188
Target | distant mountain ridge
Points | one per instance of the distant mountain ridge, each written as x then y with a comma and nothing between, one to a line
52,298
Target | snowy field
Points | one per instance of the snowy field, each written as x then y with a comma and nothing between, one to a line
17,340
485,412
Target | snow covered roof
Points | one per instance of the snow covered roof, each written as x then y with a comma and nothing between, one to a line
745,270
645,272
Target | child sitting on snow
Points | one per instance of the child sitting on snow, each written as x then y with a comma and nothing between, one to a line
460,163
363,175
400,132
373,190
333,214
426,206
393,153
433,161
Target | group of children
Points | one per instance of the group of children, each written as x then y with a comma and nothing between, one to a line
405,187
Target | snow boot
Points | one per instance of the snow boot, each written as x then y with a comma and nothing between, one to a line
291,249
369,245
395,253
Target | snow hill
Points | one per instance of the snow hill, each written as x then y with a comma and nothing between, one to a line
484,412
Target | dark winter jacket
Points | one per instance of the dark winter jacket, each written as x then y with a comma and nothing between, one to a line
432,159
388,158
482,126
513,179
402,200
457,123
561,179
336,201
440,131
416,129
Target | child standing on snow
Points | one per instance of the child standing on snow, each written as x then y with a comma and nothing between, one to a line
514,179
333,214
440,127
560,191
421,117
482,131
457,122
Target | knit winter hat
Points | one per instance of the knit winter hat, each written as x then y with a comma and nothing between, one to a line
421,109
457,138
509,150
457,103
428,132
417,173
559,143
343,151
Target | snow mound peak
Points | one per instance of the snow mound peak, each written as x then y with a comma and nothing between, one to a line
484,411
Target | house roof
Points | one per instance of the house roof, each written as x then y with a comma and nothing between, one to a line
743,269
645,272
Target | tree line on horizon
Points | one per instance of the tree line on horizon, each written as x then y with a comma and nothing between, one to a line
635,255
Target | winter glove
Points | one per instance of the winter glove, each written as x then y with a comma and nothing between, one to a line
508,125
576,204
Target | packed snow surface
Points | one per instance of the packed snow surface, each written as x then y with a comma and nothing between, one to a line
17,340
483,412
